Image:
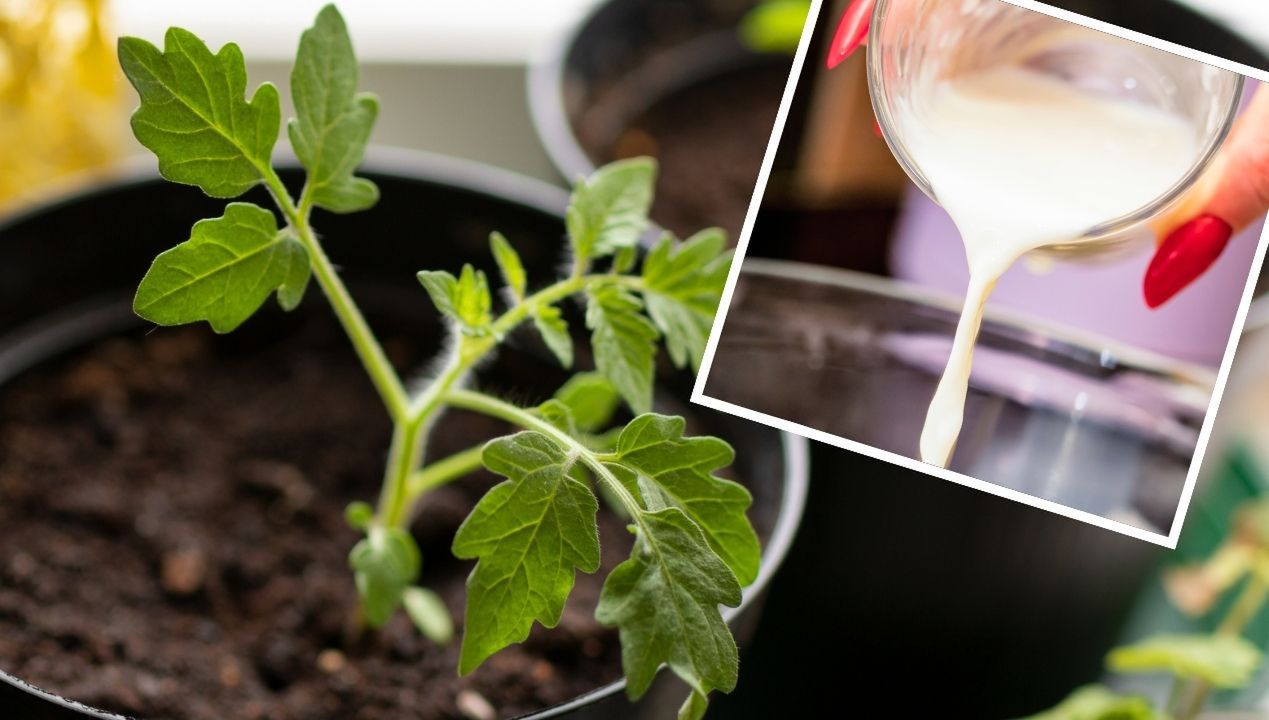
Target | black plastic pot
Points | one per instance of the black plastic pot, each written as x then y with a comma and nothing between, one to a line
68,267
991,608
631,58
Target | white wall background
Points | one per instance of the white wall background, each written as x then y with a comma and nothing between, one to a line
466,31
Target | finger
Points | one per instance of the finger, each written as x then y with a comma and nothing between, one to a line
1236,186
1238,192
1232,194
852,31
1185,254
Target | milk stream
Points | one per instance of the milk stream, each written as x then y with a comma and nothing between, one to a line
1021,161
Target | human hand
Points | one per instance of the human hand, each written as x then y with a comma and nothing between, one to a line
1231,195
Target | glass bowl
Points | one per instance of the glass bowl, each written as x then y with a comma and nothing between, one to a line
1053,413
914,43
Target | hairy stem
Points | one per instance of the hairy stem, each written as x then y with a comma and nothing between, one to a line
461,464
368,348
396,498
442,471
403,456
502,410
413,416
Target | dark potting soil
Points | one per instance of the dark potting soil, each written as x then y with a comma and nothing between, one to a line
172,542
710,139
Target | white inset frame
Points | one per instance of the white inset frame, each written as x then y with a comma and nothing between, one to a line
755,203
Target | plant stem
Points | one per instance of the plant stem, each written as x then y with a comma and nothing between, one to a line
1249,603
368,348
411,417
551,295
403,456
494,407
396,497
542,298
1246,607
442,471
460,464
406,452
1176,696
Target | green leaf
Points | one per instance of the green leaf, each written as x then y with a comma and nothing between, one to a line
473,301
529,534
1224,662
682,287
1095,702
385,563
464,299
674,471
591,399
298,272
428,613
193,116
694,706
613,500
223,273
559,415
624,342
603,442
442,287
333,121
625,259
609,210
775,25
359,515
665,600
554,331
509,263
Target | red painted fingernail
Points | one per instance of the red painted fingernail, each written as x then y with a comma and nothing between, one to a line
1187,253
851,31
876,128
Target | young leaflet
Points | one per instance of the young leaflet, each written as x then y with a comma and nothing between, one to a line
694,549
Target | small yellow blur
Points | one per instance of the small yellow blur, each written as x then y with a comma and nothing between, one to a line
61,110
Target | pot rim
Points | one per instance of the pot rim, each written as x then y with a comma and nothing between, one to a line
1034,330
544,83
469,175
495,183
546,79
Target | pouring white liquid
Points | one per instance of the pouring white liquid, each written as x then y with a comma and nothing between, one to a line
1021,161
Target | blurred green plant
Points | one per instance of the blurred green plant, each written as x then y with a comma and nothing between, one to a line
775,26
1200,662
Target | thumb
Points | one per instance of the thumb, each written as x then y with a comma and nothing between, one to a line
1231,195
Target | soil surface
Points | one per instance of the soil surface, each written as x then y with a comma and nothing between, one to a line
710,140
172,542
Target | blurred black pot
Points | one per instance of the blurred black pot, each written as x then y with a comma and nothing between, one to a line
669,78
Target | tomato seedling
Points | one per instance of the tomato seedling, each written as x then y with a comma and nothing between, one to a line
694,548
